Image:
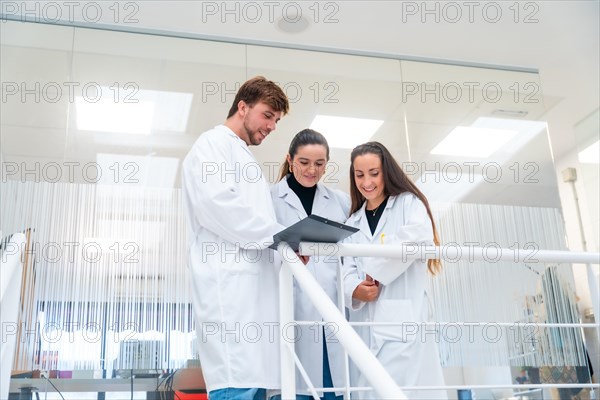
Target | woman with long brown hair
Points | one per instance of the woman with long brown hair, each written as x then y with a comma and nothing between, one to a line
389,209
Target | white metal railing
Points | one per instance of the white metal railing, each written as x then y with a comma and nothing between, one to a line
453,253
373,371
358,351
11,272
411,251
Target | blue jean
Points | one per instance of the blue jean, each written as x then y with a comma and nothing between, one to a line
238,394
327,381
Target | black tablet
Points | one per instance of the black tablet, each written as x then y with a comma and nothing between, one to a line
313,229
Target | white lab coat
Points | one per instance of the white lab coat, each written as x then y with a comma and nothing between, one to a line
409,354
234,282
334,205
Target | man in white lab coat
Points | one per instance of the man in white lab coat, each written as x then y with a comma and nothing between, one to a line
231,222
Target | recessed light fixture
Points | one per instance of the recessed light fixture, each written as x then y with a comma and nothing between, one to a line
344,132
141,112
589,155
510,113
293,24
470,141
106,115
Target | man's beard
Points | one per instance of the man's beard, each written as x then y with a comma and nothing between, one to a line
252,136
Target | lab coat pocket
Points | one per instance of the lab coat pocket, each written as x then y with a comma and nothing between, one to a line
396,311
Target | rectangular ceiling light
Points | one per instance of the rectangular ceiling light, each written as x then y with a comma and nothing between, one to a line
589,155
141,112
469,141
343,132
106,115
172,109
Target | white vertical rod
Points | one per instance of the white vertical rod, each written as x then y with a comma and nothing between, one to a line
286,317
376,375
342,308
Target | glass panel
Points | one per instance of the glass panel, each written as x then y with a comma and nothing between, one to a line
35,99
331,85
476,135
157,95
97,172
479,150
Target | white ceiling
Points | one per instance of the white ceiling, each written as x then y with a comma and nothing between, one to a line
559,38
562,44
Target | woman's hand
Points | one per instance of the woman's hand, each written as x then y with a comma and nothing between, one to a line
304,259
367,290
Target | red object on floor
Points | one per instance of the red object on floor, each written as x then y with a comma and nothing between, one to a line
191,395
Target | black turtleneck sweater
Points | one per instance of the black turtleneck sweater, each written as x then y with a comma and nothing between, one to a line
305,194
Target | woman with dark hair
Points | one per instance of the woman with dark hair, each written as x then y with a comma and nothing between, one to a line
389,209
297,195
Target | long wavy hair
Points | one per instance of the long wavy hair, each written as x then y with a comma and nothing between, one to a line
395,182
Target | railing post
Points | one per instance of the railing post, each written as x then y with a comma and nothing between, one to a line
364,359
286,319
342,303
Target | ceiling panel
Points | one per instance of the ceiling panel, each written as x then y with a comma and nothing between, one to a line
153,47
40,36
24,141
42,114
317,83
44,67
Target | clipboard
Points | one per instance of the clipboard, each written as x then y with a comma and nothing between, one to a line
313,229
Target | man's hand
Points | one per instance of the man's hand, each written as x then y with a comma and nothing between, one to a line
367,290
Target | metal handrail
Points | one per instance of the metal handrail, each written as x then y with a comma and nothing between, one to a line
452,253
358,351
449,252
352,343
